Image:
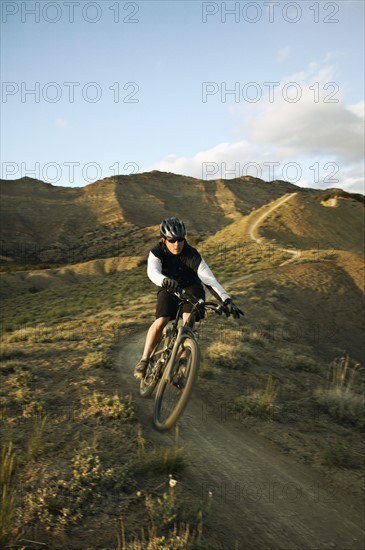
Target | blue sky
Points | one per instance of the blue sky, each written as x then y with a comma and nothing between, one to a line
208,89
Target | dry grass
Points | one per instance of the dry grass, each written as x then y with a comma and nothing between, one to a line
104,406
177,539
225,347
299,362
58,402
35,442
7,492
337,455
58,387
338,397
171,524
260,401
162,459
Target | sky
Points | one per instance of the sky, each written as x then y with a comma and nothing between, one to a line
271,89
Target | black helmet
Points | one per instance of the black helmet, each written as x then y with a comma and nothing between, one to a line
172,228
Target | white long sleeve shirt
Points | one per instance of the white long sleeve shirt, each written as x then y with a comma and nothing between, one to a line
162,264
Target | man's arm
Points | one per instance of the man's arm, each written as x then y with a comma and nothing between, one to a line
207,277
154,269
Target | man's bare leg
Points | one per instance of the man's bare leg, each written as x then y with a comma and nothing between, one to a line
154,334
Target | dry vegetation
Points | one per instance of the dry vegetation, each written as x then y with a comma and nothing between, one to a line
71,445
74,458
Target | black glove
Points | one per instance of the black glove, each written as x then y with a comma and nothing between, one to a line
170,284
232,309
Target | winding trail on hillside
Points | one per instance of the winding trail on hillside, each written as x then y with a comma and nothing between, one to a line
257,218
264,212
260,498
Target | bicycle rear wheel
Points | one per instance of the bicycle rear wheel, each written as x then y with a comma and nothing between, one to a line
174,389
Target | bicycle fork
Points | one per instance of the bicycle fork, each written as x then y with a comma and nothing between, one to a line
182,334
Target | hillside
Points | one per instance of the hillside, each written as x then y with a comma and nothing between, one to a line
308,222
271,439
242,227
41,223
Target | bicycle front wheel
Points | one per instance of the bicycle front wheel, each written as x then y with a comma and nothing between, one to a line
176,385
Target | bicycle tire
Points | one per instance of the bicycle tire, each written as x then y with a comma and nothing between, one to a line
168,411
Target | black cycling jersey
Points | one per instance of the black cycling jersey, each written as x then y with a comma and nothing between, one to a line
182,267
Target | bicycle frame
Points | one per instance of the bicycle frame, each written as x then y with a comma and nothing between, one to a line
187,327
184,329
165,352
174,386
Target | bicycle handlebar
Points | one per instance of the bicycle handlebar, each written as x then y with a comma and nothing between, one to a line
183,295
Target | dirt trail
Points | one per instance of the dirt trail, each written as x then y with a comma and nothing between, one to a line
260,498
263,213
256,220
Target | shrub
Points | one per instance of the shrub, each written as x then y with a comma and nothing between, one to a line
9,367
299,362
343,405
35,440
261,401
208,371
340,193
229,355
7,492
100,405
10,352
337,455
59,502
337,398
161,460
95,359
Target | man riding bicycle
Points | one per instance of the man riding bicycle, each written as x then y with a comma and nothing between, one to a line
173,263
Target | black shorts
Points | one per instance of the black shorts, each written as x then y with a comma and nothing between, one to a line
167,303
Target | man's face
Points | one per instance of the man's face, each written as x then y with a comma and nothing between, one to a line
175,246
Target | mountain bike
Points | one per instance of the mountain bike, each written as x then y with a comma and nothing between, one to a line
174,363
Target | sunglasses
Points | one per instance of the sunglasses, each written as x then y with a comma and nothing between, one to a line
172,241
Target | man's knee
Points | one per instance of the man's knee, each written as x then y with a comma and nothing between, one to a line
161,322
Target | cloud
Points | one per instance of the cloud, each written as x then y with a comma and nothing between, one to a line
302,120
310,117
353,179
223,157
358,109
283,53
312,130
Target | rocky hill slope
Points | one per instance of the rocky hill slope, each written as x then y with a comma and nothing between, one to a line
117,216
